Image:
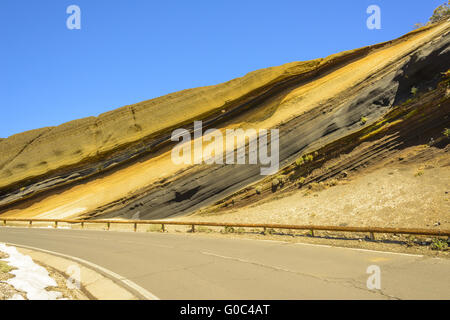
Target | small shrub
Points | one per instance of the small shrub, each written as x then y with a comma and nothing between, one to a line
446,132
419,173
414,91
332,182
299,162
309,158
282,179
446,74
438,244
275,182
229,229
301,180
258,190
363,120
440,13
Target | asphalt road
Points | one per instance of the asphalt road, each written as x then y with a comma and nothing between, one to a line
173,266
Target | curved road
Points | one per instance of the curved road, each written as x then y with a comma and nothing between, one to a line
173,266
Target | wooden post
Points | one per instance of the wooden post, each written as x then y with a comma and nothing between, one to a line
372,236
4,223
264,230
163,228
193,228
312,233
82,225
30,223
135,227
108,225
56,224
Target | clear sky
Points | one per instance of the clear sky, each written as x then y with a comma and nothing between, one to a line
128,51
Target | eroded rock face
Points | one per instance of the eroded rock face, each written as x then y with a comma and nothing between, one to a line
312,103
41,151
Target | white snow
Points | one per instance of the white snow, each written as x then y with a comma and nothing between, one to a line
29,277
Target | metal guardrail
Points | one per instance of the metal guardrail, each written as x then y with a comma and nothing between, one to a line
371,230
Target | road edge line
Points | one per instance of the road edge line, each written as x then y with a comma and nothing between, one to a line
124,282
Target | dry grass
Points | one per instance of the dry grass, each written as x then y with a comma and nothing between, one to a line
5,268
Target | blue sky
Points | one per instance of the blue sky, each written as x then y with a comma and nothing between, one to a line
133,50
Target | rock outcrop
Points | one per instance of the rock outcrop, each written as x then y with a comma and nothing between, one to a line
118,164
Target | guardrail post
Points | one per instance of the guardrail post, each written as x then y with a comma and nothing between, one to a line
4,223
56,225
372,236
163,228
193,228
108,225
82,225
312,232
135,227
264,230
30,223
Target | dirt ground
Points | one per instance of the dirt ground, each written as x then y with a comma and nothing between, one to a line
409,191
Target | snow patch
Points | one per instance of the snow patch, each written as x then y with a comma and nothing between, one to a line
29,277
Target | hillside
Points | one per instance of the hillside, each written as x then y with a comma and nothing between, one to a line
354,113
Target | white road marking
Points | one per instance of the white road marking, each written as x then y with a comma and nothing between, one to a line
358,249
128,283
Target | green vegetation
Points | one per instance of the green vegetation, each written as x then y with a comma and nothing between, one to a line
414,91
305,159
441,13
258,190
228,230
299,162
309,158
438,244
282,179
419,173
363,120
446,74
446,132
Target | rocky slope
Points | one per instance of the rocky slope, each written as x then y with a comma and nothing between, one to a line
119,165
